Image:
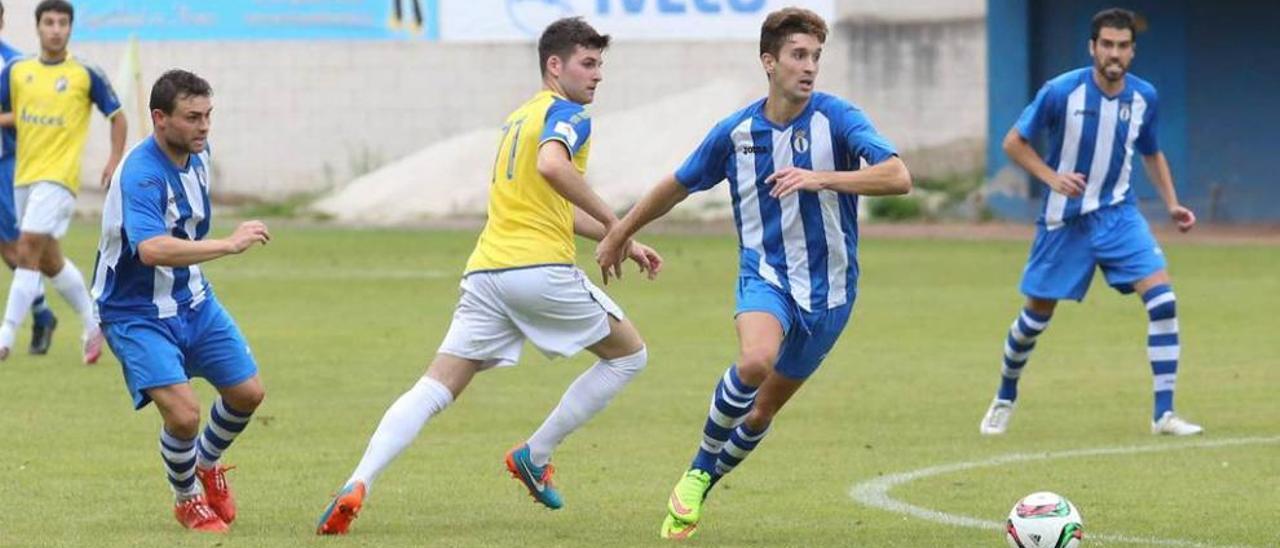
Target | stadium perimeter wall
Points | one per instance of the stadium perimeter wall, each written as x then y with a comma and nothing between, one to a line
306,117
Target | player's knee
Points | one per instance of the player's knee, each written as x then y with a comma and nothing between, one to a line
1043,307
249,401
754,365
183,422
760,417
631,364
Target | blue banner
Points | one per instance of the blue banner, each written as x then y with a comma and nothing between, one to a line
116,20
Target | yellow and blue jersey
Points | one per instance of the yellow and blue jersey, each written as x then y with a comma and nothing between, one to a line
51,103
529,223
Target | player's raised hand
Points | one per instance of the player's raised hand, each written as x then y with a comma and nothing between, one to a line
247,234
649,260
1182,217
1069,184
788,180
609,255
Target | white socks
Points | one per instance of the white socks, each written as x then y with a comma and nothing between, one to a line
588,395
399,426
70,284
22,292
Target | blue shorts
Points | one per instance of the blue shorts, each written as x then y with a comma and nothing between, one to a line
1117,239
201,342
8,213
808,336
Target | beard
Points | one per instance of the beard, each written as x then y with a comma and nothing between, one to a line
1113,71
188,146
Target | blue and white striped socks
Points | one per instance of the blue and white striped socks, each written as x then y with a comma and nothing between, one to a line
1017,349
1162,344
180,464
741,443
730,404
224,425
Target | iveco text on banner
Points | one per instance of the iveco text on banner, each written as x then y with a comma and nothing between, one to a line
521,20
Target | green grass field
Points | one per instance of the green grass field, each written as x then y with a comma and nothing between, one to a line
342,321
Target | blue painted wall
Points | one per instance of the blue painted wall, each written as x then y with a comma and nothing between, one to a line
1216,68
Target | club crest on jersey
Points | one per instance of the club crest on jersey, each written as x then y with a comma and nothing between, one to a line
60,85
800,142
1124,112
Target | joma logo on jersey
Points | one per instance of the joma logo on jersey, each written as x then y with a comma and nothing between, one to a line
1085,112
60,85
42,120
753,149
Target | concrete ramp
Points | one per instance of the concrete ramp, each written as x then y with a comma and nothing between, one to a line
631,150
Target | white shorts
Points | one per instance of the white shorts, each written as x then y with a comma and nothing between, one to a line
555,307
44,208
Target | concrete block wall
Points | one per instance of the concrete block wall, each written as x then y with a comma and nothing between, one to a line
301,117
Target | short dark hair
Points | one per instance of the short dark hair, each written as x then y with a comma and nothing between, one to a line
1114,18
57,6
562,36
781,24
176,84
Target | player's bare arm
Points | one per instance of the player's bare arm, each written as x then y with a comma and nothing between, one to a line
6,119
886,178
177,252
655,203
555,165
1021,152
649,261
1162,178
119,132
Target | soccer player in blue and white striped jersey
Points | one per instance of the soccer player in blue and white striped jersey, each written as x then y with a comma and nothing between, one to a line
1095,118
793,164
157,309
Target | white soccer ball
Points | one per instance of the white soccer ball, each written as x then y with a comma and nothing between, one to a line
1044,520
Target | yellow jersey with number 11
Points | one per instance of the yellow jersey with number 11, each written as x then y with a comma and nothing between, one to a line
529,223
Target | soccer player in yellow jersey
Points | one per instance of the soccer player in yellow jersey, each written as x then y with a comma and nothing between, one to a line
44,320
521,283
49,98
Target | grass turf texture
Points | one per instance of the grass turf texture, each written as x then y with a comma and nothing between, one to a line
342,321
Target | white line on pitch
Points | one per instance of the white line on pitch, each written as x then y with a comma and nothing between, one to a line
875,493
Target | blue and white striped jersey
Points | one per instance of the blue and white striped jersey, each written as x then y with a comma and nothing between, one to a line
149,197
1091,134
8,135
806,243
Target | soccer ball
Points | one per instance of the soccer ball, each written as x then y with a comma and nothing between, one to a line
1044,520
